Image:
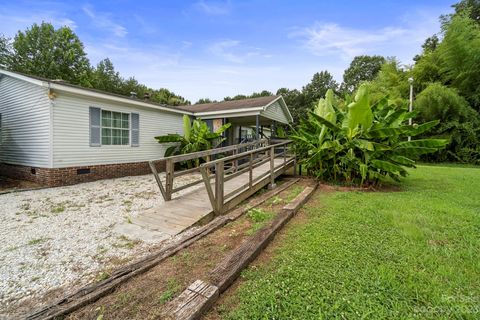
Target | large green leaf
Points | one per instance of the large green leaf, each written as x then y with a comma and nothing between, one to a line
169,138
359,112
416,130
325,122
423,143
387,166
387,132
187,128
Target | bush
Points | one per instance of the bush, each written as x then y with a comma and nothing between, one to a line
362,143
459,123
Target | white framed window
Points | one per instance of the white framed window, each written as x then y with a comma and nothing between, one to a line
115,128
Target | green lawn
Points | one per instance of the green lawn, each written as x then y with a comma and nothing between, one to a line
369,255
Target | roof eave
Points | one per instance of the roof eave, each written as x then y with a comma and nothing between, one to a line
98,95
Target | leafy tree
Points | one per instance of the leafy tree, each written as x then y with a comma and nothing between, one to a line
459,58
392,81
104,77
55,54
196,137
318,86
204,100
5,51
459,123
362,144
429,46
470,8
362,68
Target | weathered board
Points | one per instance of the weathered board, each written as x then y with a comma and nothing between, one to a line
192,302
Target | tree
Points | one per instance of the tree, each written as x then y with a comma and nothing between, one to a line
459,123
203,101
471,8
104,77
459,58
55,54
429,46
318,87
362,68
391,80
5,51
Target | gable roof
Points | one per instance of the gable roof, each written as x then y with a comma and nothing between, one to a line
252,104
230,105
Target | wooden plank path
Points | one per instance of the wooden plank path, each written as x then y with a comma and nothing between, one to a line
174,216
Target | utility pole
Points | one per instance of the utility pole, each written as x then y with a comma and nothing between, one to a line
410,106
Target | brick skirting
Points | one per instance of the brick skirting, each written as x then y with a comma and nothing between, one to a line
53,177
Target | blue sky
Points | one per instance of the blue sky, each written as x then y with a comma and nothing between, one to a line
218,48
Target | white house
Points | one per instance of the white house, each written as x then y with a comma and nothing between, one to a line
55,133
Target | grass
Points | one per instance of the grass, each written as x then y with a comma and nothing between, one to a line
412,254
258,217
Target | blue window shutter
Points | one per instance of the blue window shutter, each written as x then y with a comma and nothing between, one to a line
135,129
95,127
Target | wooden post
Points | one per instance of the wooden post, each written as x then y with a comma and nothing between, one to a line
157,178
235,162
284,154
219,166
169,170
272,168
257,127
208,160
250,176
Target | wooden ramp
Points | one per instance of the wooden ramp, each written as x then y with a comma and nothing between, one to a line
180,213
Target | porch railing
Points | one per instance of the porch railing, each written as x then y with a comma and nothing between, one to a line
207,155
222,202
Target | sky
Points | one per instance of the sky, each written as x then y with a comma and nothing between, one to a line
216,49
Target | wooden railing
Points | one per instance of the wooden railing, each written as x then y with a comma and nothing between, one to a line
207,155
252,159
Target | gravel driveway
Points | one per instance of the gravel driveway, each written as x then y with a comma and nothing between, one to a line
57,237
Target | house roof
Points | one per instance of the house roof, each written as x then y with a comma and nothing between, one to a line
230,105
220,108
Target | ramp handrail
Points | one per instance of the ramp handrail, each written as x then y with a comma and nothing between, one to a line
222,202
170,173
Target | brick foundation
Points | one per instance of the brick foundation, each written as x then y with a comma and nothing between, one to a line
54,177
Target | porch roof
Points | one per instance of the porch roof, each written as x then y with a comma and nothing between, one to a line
270,107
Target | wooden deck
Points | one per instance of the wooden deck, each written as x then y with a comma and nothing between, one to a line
180,213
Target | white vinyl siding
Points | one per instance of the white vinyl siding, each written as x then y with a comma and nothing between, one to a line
71,146
25,110
275,112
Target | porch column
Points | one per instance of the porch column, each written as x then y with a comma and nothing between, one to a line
257,127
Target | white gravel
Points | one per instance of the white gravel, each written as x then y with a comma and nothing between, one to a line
52,238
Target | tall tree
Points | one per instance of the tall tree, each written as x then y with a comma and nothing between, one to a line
55,54
104,77
362,68
318,86
5,51
204,100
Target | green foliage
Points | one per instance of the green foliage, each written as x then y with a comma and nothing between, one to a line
375,255
318,87
55,54
391,80
295,101
460,60
458,122
196,137
362,68
362,143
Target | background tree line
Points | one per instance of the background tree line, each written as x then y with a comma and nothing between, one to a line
44,51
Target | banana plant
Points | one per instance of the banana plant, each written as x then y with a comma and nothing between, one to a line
197,136
360,143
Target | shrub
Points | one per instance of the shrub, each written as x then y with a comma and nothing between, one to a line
459,123
358,143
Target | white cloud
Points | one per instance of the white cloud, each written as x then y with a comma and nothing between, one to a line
331,38
12,22
233,51
213,8
104,21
